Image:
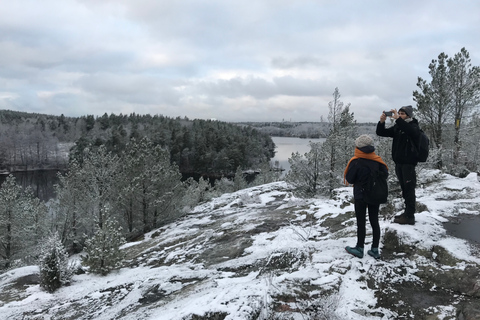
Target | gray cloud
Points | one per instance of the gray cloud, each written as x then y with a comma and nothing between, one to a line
230,60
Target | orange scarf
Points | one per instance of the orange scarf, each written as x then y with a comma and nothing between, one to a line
360,154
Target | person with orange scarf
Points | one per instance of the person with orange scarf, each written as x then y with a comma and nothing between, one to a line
357,173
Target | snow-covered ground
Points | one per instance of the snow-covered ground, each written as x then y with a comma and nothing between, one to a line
244,255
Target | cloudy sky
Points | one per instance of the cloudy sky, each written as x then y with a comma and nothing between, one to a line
233,60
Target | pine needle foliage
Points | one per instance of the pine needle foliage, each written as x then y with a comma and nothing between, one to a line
103,252
55,270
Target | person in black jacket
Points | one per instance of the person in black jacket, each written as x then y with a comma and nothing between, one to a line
404,132
357,173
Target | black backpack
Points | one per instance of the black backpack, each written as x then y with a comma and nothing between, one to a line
422,147
375,190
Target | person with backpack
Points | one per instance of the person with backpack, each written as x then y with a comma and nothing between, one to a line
406,134
368,173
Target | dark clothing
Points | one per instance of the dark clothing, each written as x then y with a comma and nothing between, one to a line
361,215
404,156
408,181
403,133
358,174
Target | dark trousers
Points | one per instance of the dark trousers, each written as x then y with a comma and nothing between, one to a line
408,181
361,214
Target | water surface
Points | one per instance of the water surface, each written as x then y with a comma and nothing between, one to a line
465,227
285,146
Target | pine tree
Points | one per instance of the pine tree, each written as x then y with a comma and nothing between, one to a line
307,173
99,173
20,222
55,270
239,181
445,102
67,209
465,81
102,251
340,141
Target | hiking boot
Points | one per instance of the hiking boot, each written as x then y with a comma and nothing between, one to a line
399,216
374,253
403,219
356,251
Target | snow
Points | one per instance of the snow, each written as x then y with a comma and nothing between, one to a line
237,295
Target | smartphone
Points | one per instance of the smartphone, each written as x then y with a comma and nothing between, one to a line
388,113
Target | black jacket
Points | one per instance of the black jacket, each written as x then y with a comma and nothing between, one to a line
403,134
359,172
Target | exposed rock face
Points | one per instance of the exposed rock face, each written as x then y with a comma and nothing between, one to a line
264,254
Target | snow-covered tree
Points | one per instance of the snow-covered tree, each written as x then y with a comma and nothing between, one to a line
20,222
434,102
150,187
55,270
339,145
198,191
102,251
307,172
445,104
239,181
100,174
67,218
465,81
267,174
321,169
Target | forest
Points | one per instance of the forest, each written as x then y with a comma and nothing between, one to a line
129,174
199,147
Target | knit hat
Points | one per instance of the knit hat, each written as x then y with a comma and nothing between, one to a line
408,110
363,141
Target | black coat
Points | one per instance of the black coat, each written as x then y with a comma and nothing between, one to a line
359,172
403,134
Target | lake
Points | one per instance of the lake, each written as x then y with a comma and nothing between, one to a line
285,146
40,181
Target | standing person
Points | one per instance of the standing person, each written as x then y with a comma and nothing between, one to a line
357,173
404,132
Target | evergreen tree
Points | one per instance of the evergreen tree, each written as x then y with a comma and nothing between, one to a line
20,222
307,173
102,251
445,102
150,187
223,185
267,174
340,141
67,210
99,177
465,82
434,102
239,182
198,192
55,271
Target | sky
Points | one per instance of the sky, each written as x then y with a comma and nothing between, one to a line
235,60
174,267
